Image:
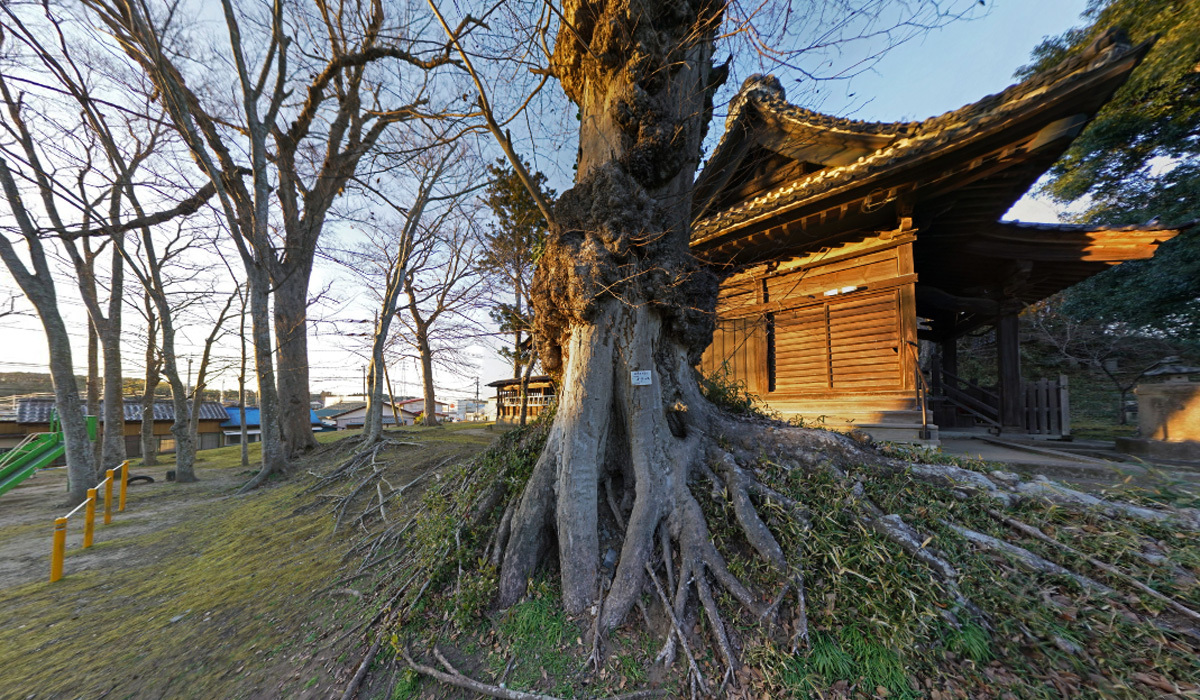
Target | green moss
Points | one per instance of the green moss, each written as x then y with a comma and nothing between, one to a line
186,604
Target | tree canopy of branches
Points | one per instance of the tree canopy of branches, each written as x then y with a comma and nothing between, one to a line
316,87
1139,160
442,295
395,244
1118,351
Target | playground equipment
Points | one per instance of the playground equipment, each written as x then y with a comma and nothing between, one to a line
59,548
36,451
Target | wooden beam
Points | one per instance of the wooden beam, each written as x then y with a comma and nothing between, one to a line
939,299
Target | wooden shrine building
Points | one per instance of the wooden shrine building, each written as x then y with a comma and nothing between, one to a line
843,242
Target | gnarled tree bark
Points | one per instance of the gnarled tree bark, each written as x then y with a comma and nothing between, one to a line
618,292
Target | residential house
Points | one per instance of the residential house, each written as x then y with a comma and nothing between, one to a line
231,427
31,414
508,398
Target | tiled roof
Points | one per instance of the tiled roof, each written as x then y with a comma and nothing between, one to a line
912,140
339,408
37,410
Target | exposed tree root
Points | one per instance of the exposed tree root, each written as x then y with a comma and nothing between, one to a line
695,678
653,515
1113,571
1028,559
452,676
361,673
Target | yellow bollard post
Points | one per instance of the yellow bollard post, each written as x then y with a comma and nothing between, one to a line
60,546
89,519
108,481
124,486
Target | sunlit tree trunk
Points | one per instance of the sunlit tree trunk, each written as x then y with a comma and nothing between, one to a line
641,76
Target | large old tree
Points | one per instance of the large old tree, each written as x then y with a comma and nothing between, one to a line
317,85
622,313
646,494
616,292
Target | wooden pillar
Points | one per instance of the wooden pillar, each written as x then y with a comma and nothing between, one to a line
950,355
1008,355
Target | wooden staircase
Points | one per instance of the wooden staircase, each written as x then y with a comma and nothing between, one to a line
893,416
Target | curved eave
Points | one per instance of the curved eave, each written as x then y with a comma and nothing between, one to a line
1021,110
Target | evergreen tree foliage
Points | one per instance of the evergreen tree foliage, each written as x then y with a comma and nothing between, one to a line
1139,161
513,244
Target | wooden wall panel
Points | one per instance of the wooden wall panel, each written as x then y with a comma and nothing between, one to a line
791,338
739,348
851,343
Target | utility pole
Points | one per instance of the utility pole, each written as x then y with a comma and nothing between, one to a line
189,381
364,383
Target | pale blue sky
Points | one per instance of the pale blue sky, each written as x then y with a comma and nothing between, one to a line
956,64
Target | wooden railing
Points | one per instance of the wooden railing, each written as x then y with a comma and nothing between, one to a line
922,389
1045,403
1047,407
970,398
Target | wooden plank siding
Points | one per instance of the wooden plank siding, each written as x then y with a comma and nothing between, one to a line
739,348
781,333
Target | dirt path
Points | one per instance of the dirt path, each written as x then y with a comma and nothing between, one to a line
193,592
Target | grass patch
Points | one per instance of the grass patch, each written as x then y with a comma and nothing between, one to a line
206,606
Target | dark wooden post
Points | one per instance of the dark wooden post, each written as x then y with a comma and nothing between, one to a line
950,355
1008,352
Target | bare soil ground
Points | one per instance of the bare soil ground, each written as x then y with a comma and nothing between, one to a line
193,592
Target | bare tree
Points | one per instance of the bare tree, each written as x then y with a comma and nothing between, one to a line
441,286
114,144
218,330
152,378
387,254
37,283
106,326
313,145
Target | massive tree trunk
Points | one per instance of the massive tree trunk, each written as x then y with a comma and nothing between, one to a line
291,335
616,292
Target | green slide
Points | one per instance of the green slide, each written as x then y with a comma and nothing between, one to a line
35,452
